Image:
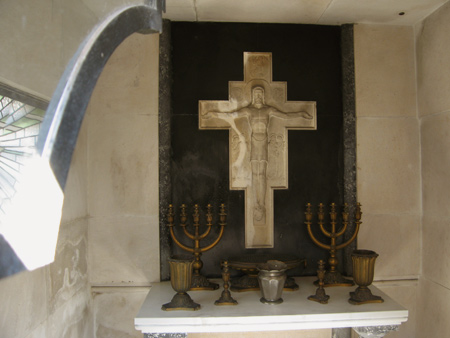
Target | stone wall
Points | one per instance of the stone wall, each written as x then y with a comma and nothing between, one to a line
55,301
433,83
388,159
42,36
123,185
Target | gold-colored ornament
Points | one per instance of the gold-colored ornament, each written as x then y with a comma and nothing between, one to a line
363,272
225,298
320,296
333,277
180,279
199,282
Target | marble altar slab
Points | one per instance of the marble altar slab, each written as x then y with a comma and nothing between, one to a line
295,313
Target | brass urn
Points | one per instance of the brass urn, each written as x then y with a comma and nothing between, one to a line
180,279
363,272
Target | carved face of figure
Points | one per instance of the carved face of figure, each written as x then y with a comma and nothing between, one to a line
258,95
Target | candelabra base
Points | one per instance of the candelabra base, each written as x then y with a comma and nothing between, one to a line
334,278
181,301
226,299
320,297
200,282
363,295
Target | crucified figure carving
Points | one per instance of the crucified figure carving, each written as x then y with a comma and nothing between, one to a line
259,115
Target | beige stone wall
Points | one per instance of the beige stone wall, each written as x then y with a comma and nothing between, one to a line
55,301
39,38
388,159
433,64
123,167
123,183
49,33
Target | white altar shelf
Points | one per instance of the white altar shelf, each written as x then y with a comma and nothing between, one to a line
295,313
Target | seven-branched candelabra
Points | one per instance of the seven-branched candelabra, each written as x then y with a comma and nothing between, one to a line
199,282
333,277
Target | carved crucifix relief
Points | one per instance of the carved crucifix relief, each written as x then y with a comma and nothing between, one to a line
258,116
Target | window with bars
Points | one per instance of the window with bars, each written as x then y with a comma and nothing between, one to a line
19,130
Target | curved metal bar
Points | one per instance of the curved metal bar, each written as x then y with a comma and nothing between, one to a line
177,242
187,233
315,240
62,122
351,239
324,231
213,244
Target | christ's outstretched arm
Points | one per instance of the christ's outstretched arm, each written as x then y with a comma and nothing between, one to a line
238,113
282,115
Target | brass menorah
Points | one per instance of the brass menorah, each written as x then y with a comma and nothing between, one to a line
199,282
333,277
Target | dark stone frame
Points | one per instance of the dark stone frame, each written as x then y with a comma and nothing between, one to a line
349,135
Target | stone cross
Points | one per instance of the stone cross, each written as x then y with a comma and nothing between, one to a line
258,116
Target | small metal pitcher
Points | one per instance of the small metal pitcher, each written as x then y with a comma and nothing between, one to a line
271,278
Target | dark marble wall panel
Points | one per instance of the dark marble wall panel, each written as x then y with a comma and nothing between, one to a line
349,132
205,56
164,138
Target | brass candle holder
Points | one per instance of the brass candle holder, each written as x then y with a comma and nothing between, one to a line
320,296
363,271
180,279
199,282
333,277
225,297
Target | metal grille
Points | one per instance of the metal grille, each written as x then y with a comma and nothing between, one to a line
19,129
